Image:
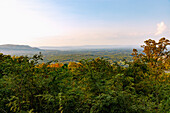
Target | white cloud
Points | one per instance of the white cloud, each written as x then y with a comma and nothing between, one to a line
161,27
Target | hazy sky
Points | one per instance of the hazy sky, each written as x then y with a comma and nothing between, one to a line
83,22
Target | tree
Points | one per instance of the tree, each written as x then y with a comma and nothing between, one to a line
155,54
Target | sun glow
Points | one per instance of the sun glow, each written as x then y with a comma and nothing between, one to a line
61,23
20,25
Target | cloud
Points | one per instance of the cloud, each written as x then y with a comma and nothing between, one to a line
161,27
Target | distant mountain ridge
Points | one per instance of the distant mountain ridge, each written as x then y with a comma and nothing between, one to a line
29,48
18,47
12,49
88,47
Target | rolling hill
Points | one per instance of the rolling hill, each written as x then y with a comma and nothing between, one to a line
18,49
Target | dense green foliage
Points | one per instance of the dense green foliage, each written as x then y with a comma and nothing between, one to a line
89,86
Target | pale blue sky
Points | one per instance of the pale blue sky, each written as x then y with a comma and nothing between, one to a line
83,22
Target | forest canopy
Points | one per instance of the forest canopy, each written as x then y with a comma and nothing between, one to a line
87,86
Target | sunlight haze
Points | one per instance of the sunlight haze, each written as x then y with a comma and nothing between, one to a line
83,22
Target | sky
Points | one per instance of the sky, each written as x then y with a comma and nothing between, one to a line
83,22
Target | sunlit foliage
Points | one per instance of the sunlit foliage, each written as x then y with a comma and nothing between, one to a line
89,85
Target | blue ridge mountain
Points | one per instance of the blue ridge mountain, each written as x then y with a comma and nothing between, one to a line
18,49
